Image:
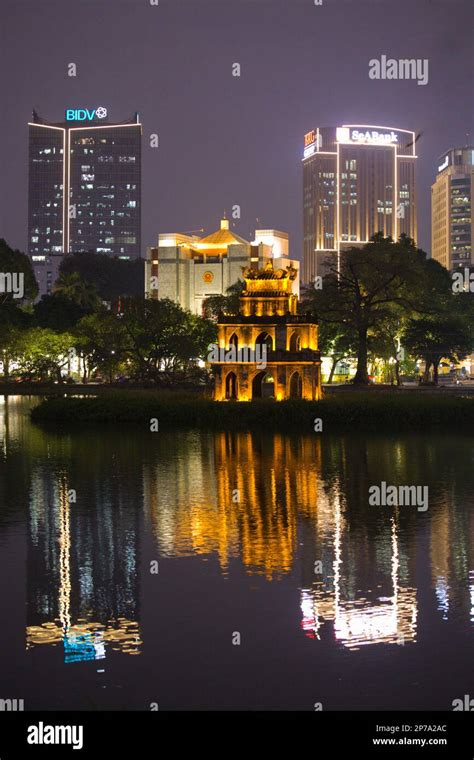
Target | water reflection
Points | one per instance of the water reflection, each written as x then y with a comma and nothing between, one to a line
235,495
277,507
83,585
274,501
360,621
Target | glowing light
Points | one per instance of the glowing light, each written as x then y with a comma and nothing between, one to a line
343,134
108,126
444,164
388,130
83,114
64,131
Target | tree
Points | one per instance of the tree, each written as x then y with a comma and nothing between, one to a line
434,338
372,285
103,344
226,304
384,344
57,312
13,323
14,261
336,341
165,340
74,288
44,352
111,277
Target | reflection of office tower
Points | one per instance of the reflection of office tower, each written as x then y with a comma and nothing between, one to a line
452,555
84,186
82,574
357,180
452,222
358,619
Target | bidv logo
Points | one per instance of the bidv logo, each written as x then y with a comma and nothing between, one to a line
83,114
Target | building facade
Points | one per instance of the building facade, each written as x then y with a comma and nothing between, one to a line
84,185
188,269
357,180
452,223
267,319
46,269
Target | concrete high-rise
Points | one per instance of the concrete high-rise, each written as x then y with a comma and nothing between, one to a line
357,180
84,185
452,222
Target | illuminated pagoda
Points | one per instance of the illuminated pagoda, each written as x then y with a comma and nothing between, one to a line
267,322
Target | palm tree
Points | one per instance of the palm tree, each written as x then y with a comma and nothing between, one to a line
74,288
229,303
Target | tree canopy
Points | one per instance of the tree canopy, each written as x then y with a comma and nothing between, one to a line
111,276
15,261
382,282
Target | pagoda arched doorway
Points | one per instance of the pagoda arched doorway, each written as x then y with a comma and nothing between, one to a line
263,386
296,385
231,386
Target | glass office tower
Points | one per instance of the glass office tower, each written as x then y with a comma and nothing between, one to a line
84,185
357,180
452,222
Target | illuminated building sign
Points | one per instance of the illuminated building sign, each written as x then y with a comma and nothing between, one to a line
310,143
444,165
374,137
366,137
83,114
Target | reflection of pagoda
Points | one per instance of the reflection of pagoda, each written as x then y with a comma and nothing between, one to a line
191,506
267,317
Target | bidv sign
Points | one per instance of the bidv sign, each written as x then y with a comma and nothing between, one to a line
83,114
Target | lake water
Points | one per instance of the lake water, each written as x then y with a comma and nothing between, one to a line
204,570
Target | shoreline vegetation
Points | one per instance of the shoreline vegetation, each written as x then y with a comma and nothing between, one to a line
342,412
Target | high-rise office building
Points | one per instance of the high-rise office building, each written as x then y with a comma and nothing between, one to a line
357,180
452,222
84,189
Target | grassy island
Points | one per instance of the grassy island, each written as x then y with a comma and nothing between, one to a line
346,412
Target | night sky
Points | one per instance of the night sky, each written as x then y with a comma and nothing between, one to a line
225,140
